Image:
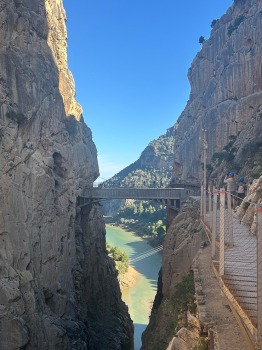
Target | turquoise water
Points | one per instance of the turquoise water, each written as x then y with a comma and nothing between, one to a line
140,297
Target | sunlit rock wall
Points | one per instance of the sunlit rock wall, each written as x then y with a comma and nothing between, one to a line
225,98
58,288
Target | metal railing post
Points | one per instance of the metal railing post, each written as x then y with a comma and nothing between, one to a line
229,220
209,200
259,276
214,223
204,203
201,202
222,233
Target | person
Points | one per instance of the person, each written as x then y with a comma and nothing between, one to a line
231,187
249,184
241,190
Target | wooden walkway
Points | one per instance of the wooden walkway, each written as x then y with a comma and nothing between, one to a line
240,268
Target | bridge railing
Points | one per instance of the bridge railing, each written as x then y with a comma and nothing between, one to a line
135,193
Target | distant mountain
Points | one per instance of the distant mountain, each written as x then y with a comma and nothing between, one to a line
154,168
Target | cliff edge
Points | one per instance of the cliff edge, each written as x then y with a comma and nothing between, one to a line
58,288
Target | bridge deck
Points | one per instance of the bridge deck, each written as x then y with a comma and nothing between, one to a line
168,196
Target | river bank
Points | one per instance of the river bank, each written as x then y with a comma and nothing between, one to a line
137,231
140,297
128,279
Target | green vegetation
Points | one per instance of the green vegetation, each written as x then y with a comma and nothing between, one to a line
235,25
201,39
224,155
214,22
145,218
154,168
246,205
120,258
184,296
228,155
251,148
202,344
182,300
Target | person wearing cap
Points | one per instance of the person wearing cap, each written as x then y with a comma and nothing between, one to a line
231,187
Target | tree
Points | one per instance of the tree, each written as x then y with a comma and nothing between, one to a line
213,22
201,39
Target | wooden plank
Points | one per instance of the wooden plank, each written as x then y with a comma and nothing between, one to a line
244,288
247,301
239,278
245,294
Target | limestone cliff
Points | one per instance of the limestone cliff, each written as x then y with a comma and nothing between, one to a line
226,101
181,245
58,288
225,98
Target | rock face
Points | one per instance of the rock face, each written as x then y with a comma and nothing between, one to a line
181,245
58,288
225,98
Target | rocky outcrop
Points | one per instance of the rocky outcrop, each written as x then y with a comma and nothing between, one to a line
225,99
246,211
58,288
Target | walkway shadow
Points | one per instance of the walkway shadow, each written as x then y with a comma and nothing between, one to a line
147,266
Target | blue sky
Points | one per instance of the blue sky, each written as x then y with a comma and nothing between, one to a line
129,59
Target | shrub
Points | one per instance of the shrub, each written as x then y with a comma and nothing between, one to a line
214,22
202,344
184,296
120,258
201,39
235,25
227,156
251,147
246,205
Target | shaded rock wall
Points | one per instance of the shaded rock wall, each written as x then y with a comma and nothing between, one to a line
55,277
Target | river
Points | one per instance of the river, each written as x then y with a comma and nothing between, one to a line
140,297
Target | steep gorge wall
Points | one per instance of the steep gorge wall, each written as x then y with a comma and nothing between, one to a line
226,101
225,98
58,288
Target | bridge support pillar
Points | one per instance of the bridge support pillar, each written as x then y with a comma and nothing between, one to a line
222,233
259,277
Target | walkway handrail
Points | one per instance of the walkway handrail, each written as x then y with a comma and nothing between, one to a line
239,256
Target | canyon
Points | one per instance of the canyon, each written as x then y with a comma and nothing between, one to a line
58,287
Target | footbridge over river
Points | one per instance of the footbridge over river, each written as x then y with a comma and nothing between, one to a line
171,197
